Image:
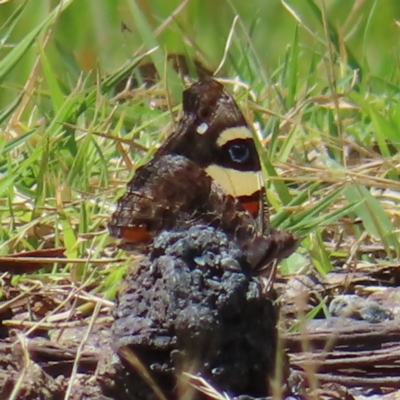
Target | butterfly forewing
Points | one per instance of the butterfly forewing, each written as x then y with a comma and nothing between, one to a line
214,134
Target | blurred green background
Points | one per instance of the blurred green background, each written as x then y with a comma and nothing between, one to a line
103,34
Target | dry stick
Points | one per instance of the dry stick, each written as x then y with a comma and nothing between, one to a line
8,304
80,350
380,367
26,362
227,45
129,142
300,21
386,381
37,324
351,359
46,260
50,325
354,249
268,286
385,332
130,357
200,384
43,351
51,352
73,308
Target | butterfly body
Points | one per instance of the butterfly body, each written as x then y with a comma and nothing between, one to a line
208,171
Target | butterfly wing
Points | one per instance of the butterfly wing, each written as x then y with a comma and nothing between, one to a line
209,171
214,134
161,194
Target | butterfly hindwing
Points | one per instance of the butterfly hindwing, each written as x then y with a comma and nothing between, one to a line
170,192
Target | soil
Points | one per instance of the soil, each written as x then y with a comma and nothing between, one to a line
190,318
186,306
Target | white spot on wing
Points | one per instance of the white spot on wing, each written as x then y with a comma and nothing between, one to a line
202,128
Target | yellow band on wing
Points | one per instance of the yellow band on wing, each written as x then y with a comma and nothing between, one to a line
239,132
234,182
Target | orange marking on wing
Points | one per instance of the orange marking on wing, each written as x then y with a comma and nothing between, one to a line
135,234
253,207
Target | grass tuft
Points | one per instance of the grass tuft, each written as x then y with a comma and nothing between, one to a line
319,81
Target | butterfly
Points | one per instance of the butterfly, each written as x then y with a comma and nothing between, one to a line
207,171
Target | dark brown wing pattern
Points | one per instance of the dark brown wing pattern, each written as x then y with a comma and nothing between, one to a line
214,134
182,184
173,192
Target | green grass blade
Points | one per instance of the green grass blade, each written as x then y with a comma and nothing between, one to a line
374,218
9,26
49,75
15,55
